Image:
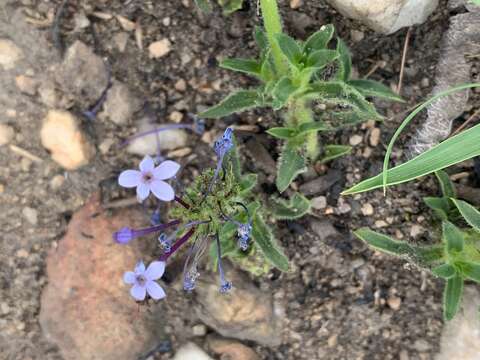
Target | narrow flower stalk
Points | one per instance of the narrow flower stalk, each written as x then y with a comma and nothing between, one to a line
126,234
181,202
91,113
178,244
225,285
190,269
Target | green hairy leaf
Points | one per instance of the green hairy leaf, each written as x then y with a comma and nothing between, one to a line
261,40
334,151
230,6
374,89
284,133
440,206
384,243
453,238
448,189
456,149
319,40
291,164
445,271
306,128
452,296
204,5
233,103
248,182
289,48
282,91
469,213
263,238
247,66
321,58
345,65
293,208
469,270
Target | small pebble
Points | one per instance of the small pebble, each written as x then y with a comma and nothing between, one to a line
57,181
357,35
22,253
181,85
355,140
121,39
295,4
4,308
176,116
6,134
416,230
26,84
31,215
199,330
319,202
367,209
380,224
375,137
394,302
10,54
159,48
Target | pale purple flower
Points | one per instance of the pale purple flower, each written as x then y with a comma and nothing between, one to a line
143,281
150,178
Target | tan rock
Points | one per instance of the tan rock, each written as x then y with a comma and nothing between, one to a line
6,134
159,48
86,310
355,140
120,104
10,54
61,135
26,84
295,4
191,351
231,349
245,313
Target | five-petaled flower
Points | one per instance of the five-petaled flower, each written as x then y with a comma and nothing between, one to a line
151,178
143,281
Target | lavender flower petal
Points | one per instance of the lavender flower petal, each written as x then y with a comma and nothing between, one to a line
155,270
147,164
166,170
155,291
130,178
138,292
162,190
143,190
140,268
129,277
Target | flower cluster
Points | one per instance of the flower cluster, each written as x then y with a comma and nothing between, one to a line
202,218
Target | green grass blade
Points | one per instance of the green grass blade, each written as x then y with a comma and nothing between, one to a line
407,121
458,148
448,189
452,296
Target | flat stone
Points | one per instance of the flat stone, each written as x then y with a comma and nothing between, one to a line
26,84
190,351
321,184
120,104
245,313
319,202
159,48
121,39
82,74
461,335
31,215
386,16
230,349
86,310
10,54
167,140
68,145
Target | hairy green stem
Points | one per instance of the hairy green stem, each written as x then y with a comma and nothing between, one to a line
300,113
273,25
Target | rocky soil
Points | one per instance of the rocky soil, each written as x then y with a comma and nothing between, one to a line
61,294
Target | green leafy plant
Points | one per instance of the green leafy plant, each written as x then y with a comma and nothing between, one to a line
297,77
456,258
229,6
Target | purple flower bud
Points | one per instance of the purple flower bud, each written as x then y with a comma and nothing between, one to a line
124,235
243,232
225,287
198,126
224,144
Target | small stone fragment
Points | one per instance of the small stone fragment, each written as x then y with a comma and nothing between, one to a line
230,349
355,140
31,215
61,135
181,85
10,54
416,230
357,35
375,137
57,181
319,202
125,23
367,209
26,84
159,48
120,104
199,330
394,302
190,351
295,4
6,134
176,116
121,39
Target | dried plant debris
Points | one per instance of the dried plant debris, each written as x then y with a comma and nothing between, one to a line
462,38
